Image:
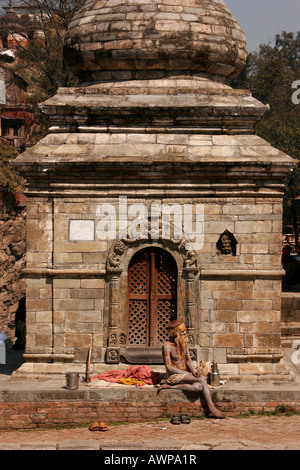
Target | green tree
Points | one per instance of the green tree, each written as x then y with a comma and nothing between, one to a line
269,74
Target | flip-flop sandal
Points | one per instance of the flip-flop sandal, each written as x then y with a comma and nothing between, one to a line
94,426
185,419
175,419
103,426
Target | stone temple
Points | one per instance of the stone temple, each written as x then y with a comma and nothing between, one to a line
151,198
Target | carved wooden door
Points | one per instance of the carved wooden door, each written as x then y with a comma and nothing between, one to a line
152,289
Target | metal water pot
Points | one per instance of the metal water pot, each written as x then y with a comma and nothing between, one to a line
214,375
72,380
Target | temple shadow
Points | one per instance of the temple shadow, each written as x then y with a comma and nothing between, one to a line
14,359
192,397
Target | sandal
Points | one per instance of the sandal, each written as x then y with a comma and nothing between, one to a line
103,426
175,419
185,419
94,426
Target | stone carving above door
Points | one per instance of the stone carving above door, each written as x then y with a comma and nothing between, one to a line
115,257
115,262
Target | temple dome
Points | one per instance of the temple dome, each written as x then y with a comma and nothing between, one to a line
126,38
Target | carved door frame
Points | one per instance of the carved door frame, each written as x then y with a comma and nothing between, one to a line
119,257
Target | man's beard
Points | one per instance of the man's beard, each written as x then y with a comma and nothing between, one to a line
181,344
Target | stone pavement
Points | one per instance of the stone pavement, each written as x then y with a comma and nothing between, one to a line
246,433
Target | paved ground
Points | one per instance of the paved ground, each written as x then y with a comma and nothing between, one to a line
248,433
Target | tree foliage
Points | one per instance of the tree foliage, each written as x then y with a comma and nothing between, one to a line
269,74
39,61
40,42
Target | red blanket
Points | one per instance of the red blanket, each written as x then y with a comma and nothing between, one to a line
143,373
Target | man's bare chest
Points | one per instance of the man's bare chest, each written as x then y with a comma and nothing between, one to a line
177,360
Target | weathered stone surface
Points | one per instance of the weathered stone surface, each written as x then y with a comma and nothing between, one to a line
171,104
12,258
91,444
157,124
135,36
83,150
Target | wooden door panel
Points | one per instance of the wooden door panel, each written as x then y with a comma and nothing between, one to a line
138,275
152,285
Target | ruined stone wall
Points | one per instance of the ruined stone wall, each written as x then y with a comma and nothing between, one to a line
12,258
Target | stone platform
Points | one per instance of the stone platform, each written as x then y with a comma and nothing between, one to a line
37,404
290,317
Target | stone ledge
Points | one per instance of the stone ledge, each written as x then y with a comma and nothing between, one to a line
90,444
93,444
234,274
65,273
262,364
49,357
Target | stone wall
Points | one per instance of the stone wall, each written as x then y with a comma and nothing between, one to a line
12,258
41,409
236,297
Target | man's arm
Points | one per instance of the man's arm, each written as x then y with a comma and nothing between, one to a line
189,364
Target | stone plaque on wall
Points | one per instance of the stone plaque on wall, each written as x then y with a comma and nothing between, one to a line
82,230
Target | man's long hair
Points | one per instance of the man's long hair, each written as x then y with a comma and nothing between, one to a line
180,341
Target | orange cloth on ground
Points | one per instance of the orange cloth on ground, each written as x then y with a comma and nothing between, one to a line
130,381
142,373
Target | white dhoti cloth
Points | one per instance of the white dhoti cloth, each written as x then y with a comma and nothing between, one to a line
174,379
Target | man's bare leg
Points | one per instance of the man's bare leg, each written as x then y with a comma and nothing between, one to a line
197,384
213,411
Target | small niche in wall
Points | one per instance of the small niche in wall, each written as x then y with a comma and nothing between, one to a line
226,245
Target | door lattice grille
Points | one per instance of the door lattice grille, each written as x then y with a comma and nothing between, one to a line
138,324
152,281
165,315
138,278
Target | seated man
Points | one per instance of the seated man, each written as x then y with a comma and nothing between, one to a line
181,372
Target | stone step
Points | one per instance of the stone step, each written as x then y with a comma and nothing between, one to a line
290,307
289,341
290,329
290,324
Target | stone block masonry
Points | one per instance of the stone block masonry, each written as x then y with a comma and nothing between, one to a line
159,37
49,409
12,257
66,314
238,299
153,118
241,316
